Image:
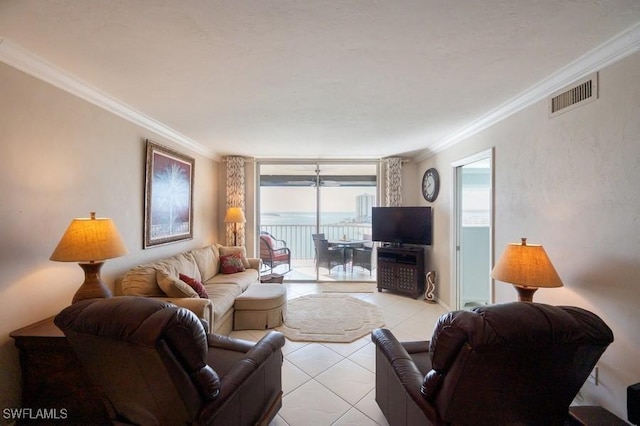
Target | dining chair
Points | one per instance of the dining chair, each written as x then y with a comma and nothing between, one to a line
329,257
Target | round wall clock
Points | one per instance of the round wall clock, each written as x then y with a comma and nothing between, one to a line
430,184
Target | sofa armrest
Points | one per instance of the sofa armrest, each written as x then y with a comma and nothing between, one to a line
255,263
203,308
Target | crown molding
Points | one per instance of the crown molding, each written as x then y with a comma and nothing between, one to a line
23,60
613,50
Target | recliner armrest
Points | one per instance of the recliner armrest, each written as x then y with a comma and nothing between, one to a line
225,352
393,358
398,358
256,372
221,342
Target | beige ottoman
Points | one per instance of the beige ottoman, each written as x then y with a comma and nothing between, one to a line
260,307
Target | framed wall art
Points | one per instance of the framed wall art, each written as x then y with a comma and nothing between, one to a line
168,201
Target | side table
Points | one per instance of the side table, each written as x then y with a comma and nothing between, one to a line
272,278
587,415
53,378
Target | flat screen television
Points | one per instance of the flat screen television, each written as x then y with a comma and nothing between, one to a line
402,225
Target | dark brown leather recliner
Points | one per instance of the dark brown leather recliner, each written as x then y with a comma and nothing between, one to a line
156,365
508,364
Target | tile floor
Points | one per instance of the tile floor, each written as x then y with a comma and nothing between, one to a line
333,383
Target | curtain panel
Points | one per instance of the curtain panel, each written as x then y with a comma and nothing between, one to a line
235,196
393,181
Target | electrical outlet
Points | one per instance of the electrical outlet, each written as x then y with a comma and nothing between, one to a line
593,376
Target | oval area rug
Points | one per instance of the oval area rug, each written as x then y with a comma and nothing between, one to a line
329,318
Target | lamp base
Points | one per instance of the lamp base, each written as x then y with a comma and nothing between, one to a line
525,294
93,287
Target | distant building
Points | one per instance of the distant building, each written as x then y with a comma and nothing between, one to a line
364,203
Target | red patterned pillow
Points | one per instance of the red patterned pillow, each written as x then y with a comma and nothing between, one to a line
196,285
231,263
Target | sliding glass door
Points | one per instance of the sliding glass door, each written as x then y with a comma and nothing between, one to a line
330,201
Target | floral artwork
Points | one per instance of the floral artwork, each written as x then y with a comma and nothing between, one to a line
168,196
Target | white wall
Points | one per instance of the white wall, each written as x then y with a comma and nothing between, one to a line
62,158
571,184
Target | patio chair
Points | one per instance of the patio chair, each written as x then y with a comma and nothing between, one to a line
274,252
362,255
362,258
329,257
316,237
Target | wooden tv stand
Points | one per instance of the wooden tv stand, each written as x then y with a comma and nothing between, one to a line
402,270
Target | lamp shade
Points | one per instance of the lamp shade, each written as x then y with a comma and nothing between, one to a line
89,240
526,265
234,215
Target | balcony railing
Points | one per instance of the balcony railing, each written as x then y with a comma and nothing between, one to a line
299,241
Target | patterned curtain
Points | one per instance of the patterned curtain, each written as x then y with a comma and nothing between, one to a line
235,195
393,182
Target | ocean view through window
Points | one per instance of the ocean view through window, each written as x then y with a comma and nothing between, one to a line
301,200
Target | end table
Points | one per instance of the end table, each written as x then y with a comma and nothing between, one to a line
586,415
272,278
53,378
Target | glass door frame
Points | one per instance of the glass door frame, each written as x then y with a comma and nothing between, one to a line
318,164
456,223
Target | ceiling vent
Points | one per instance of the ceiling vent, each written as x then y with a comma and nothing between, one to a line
580,93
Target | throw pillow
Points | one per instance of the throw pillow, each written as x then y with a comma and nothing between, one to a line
231,263
196,285
224,250
173,286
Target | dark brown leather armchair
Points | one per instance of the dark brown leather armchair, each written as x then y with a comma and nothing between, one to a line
156,365
509,364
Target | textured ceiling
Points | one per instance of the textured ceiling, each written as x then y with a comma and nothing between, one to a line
313,79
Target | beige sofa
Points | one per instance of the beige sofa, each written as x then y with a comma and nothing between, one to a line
161,279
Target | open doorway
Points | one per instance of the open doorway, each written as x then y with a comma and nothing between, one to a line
472,230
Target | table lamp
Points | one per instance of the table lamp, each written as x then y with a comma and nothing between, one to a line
90,241
527,267
235,215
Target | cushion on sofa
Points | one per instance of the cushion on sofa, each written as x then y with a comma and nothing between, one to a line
207,259
222,296
141,281
172,285
196,285
225,250
231,263
181,263
242,279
